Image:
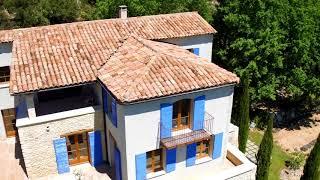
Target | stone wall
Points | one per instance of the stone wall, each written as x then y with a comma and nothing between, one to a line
37,139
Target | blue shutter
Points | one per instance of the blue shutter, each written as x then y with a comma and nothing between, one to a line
95,148
198,114
141,166
191,154
117,161
114,112
217,145
105,101
165,120
196,51
21,110
60,148
171,159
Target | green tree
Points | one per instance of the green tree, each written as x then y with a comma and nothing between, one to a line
21,13
264,153
243,118
311,169
109,8
277,41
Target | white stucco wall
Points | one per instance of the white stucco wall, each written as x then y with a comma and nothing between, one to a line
118,133
6,101
37,134
142,124
203,42
5,54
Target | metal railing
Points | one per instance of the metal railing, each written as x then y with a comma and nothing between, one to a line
186,133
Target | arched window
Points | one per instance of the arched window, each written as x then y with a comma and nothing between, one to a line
181,114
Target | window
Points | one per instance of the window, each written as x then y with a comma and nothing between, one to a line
77,146
4,74
181,114
194,51
9,119
203,148
191,50
154,161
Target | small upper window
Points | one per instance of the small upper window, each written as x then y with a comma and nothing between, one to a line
4,74
191,50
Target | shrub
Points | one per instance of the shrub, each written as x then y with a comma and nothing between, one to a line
295,161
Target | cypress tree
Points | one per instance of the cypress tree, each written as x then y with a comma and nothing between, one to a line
264,153
243,118
311,169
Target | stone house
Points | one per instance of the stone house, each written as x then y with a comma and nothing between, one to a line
137,93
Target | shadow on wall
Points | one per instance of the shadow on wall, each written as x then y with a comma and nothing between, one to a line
99,124
18,154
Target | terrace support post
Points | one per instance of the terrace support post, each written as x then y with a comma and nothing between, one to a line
31,105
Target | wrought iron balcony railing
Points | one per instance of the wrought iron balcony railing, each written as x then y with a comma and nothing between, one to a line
193,132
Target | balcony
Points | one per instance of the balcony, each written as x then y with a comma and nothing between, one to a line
56,101
193,133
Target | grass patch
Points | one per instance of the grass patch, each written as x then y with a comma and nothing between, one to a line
278,156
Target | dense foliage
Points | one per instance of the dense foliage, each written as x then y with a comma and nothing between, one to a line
243,113
311,169
264,153
278,42
22,13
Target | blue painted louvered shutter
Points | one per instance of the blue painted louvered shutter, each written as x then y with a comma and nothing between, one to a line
198,114
60,148
165,120
114,112
117,161
217,145
196,51
95,148
105,101
171,155
141,166
191,154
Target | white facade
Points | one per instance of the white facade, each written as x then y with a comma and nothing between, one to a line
203,42
138,126
6,100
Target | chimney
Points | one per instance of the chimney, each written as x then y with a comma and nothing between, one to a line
123,12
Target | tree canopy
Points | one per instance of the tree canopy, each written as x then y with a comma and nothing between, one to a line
21,13
278,42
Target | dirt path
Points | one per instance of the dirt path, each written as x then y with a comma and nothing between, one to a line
294,140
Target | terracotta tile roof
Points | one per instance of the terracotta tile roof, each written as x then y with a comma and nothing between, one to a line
143,69
67,54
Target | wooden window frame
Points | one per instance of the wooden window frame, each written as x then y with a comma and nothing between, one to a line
4,77
9,118
153,163
180,126
79,160
203,148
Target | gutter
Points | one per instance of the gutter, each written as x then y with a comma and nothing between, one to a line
178,94
163,97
